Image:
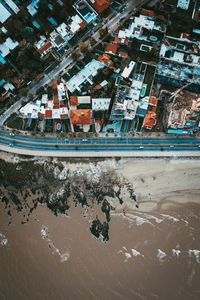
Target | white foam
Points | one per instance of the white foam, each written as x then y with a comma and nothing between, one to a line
4,242
161,255
127,255
64,257
171,218
175,252
136,253
150,217
196,254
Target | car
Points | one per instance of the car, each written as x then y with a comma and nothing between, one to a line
11,134
84,140
11,145
171,146
76,148
141,147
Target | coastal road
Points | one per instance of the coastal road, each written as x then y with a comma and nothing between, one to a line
46,145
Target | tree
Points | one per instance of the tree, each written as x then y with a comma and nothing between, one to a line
84,47
9,74
103,32
75,55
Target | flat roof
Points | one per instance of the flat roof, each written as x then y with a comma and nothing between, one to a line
5,13
8,45
89,70
12,5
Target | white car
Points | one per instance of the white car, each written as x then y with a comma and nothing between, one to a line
11,134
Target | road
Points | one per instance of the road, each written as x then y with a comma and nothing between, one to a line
99,144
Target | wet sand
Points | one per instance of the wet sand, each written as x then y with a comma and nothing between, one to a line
150,253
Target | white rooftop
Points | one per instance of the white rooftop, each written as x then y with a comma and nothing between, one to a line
8,45
178,56
63,31
61,91
127,70
75,24
9,86
89,70
4,13
32,7
100,104
12,5
83,99
143,21
184,4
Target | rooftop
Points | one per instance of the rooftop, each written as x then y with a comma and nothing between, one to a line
5,12
80,116
100,5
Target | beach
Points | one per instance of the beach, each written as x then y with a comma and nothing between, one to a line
153,250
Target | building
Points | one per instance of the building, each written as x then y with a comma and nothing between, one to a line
127,70
86,12
12,5
111,48
85,75
80,116
100,5
100,104
5,12
47,108
196,12
75,101
32,7
183,4
43,47
6,47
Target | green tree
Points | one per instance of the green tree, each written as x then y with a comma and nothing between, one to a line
75,55
84,47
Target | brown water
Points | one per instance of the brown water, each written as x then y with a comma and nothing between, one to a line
57,257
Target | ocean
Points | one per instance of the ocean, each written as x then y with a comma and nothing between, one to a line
48,251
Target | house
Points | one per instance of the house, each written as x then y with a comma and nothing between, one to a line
150,120
6,47
183,4
86,12
43,47
100,5
75,101
148,13
32,7
5,12
100,104
12,6
80,116
85,75
111,48
127,70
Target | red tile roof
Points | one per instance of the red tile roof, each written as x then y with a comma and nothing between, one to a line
98,86
111,48
153,101
150,119
80,116
45,47
124,54
104,58
147,12
73,100
48,113
83,24
186,35
117,40
40,115
100,5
